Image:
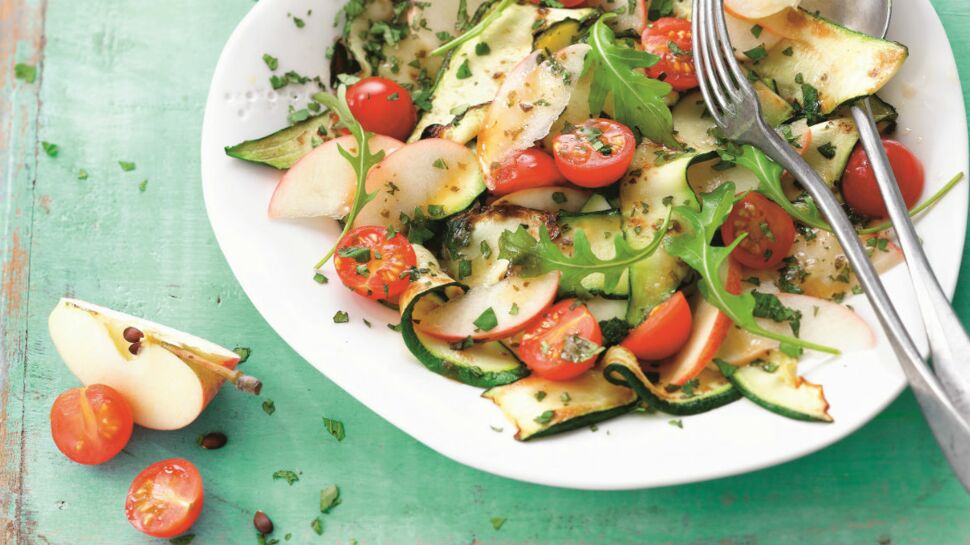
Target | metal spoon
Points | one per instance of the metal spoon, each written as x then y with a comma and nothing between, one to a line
949,343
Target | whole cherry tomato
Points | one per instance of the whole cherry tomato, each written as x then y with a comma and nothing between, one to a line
382,106
859,185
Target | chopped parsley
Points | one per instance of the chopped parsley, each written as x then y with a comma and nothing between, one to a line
464,269
482,49
540,395
497,522
464,72
269,407
811,104
243,354
50,149
82,174
319,278
126,166
317,526
182,540
487,321
271,62
300,23
285,474
756,31
341,317
545,417
827,150
757,53
335,428
514,309
298,115
677,423
439,163
359,254
329,498
143,185
614,330
486,250
26,73
436,210
788,52
768,305
394,96
559,197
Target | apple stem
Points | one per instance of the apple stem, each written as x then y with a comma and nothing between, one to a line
240,380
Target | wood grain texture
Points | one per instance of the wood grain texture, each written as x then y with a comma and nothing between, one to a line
126,80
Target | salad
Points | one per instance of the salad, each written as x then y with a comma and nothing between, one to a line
539,189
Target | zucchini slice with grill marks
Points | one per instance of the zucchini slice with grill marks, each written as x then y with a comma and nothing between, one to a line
283,148
710,391
774,384
539,407
481,364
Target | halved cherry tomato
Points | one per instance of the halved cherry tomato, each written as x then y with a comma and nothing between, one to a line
383,107
770,230
595,153
374,265
563,343
166,498
664,332
525,169
676,64
91,425
859,185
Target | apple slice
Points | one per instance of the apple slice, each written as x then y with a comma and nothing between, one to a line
455,320
322,183
548,199
168,377
438,176
742,33
528,103
757,9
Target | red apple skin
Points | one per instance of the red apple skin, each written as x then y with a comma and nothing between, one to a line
691,361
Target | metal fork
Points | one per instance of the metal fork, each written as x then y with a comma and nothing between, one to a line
735,107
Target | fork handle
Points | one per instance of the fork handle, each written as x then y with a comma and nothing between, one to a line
949,344
951,430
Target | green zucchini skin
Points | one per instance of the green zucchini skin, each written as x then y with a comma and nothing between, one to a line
583,421
730,372
283,148
622,376
472,376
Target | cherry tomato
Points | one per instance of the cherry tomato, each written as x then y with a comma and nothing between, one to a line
525,169
664,332
771,232
374,265
90,425
859,185
166,498
383,107
554,345
676,64
596,153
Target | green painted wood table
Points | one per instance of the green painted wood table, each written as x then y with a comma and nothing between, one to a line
122,80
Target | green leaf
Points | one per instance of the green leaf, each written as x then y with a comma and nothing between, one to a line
694,248
497,522
50,149
361,163
329,498
475,30
335,428
317,526
126,166
538,257
25,72
289,476
487,321
269,407
638,101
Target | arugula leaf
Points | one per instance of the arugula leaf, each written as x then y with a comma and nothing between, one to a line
694,248
361,163
638,101
538,257
475,30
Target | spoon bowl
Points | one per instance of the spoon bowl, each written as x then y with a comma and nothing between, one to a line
867,16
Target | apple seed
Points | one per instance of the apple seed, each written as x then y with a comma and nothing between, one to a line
133,334
135,348
262,523
213,440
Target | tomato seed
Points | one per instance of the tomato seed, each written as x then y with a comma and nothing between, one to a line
213,440
262,523
133,334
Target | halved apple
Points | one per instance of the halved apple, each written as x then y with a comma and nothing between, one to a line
322,183
748,36
167,376
514,302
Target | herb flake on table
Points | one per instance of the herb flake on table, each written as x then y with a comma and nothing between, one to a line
50,149
319,278
182,540
341,317
329,498
317,526
26,73
126,166
497,522
677,423
82,174
269,406
142,186
271,62
243,353
335,428
287,475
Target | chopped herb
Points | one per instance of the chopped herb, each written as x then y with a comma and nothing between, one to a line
766,366
394,96
272,62
298,22
436,210
317,526
756,31
82,174
514,309
143,185
26,73
464,72
660,8
545,417
367,322
559,197
439,163
182,540
676,50
677,423
299,115
289,476
360,254
578,349
497,522
464,269
335,427
540,395
753,280
319,278
277,82
485,249
269,407
788,52
50,149
614,330
329,498
482,49
565,398
341,317
811,104
394,327
768,305
243,354
487,321
827,150
757,53
463,344
126,166
857,290
689,387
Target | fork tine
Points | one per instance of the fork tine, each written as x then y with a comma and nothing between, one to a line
709,81
719,18
716,44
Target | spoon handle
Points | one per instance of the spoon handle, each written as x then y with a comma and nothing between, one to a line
949,344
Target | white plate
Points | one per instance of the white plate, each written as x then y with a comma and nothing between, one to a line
273,261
